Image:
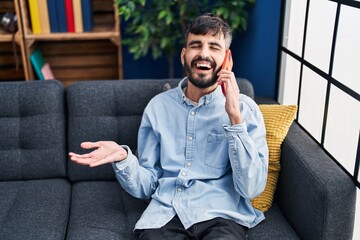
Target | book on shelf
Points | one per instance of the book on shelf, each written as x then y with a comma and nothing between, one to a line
78,16
42,68
37,61
87,15
69,15
61,13
53,16
44,16
47,72
35,16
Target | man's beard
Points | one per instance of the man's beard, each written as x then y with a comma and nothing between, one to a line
201,81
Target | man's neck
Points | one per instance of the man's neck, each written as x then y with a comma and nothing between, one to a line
194,93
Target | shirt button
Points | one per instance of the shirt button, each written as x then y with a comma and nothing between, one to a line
189,164
190,138
192,113
183,173
179,189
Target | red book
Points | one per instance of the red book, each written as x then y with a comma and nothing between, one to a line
69,15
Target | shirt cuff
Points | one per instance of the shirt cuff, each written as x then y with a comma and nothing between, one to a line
237,128
121,165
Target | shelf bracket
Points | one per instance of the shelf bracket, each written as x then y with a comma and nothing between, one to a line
115,40
29,42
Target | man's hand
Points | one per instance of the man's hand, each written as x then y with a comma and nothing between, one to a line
232,107
105,152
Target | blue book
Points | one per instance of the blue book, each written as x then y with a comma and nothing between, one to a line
61,14
54,24
87,15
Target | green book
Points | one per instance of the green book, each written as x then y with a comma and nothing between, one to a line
37,60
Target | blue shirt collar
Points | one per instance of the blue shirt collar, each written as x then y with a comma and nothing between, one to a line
204,100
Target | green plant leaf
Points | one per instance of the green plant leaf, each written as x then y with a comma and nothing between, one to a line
131,6
122,10
162,14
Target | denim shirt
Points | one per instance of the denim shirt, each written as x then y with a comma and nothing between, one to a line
193,163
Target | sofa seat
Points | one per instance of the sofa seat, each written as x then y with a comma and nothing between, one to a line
34,209
275,226
103,210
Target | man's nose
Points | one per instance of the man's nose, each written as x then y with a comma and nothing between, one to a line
204,52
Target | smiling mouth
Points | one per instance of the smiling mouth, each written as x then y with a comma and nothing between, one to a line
204,66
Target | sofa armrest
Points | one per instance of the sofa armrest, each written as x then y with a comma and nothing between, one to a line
316,196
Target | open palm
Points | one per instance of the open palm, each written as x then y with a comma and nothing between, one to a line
105,152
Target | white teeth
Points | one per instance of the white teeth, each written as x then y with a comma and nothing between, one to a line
203,65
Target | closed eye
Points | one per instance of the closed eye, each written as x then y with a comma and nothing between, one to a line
194,44
215,46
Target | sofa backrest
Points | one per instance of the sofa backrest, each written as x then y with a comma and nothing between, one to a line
106,110
112,111
32,130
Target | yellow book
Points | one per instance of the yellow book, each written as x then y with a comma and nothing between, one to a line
35,16
78,22
44,16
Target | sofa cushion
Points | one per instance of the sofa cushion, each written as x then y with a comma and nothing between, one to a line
35,209
105,110
103,210
111,111
32,127
275,226
278,119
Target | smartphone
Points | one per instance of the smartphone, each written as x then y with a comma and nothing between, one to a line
227,64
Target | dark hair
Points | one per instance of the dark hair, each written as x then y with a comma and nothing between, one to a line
209,23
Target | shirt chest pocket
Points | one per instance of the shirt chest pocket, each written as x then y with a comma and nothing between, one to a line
216,151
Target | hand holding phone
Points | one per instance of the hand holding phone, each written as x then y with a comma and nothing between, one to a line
227,64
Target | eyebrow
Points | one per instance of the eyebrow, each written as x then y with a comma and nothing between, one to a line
195,42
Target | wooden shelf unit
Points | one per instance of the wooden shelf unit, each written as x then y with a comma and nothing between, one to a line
8,57
95,55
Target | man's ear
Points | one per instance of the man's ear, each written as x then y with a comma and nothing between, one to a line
182,56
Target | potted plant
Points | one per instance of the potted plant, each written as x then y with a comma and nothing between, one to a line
157,26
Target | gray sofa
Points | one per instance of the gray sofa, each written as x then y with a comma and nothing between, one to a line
43,195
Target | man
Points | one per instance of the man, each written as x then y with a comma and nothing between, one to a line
202,155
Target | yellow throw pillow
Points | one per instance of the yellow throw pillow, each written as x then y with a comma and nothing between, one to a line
278,119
